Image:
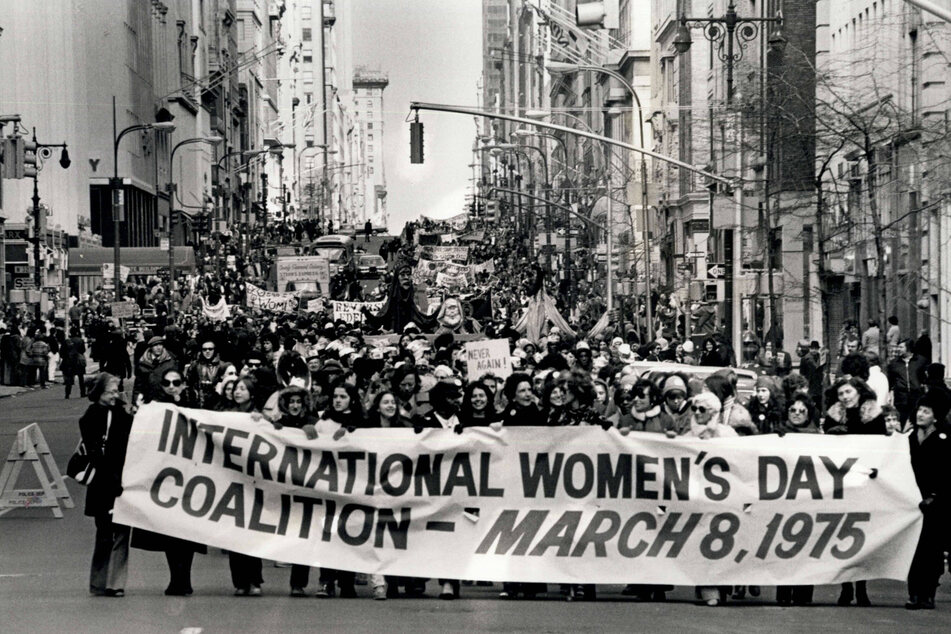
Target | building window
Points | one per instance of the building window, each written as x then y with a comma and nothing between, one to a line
369,137
308,97
308,59
370,126
371,169
305,35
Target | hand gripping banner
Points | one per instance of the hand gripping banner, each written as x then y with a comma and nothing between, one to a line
558,505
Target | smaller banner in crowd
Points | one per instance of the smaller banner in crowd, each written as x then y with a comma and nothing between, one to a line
218,312
556,505
488,356
442,254
310,269
269,300
483,267
124,310
317,305
451,281
352,312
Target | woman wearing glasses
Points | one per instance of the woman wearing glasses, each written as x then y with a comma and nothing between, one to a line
645,412
802,417
179,553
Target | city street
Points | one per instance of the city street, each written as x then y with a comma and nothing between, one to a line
44,564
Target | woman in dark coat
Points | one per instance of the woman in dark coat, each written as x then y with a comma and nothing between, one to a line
73,362
478,408
105,431
179,553
521,410
855,412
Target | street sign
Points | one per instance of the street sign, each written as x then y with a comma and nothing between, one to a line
23,283
716,271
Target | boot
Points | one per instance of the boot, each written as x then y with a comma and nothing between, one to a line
847,594
861,595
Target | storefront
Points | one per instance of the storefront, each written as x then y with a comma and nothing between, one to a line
86,265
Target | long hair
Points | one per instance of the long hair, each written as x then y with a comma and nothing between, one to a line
467,400
354,415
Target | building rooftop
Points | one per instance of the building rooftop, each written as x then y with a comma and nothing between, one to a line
364,76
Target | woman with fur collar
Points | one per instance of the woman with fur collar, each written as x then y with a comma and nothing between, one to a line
856,411
645,413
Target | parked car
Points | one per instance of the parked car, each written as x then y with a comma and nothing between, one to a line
370,266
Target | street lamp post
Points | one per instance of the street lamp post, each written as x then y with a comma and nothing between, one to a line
546,186
732,33
171,202
648,286
115,183
43,152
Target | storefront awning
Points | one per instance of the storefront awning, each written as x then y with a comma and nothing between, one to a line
140,260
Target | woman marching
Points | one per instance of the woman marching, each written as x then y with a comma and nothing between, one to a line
179,553
105,431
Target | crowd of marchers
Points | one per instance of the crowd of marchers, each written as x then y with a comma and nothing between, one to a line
405,367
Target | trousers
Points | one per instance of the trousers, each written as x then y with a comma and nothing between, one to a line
110,555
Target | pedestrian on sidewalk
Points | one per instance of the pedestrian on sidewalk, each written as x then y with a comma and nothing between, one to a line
105,431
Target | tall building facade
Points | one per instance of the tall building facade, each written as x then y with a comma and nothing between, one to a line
370,198
884,196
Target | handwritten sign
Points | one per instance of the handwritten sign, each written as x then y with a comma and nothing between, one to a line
123,310
352,312
267,300
488,355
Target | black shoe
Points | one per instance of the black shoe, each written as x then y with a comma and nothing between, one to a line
178,592
115,592
913,604
862,600
348,592
926,604
846,596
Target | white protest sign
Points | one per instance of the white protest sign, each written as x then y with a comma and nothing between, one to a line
311,269
488,355
124,310
557,505
352,312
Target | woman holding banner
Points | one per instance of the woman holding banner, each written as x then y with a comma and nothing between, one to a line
179,553
856,412
344,414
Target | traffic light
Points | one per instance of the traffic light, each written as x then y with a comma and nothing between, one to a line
7,157
415,142
26,163
599,15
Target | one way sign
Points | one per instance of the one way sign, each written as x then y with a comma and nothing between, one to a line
716,271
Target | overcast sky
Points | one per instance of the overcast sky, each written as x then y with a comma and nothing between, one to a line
432,50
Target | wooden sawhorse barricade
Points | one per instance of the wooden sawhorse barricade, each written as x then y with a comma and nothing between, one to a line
31,448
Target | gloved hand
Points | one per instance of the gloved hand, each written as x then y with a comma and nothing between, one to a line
340,433
417,429
277,425
624,430
670,433
310,431
926,504
457,429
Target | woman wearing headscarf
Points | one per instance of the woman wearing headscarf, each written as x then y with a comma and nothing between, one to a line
105,428
856,411
521,409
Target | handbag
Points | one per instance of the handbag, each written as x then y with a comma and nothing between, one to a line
80,467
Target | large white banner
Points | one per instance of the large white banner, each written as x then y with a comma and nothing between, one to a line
559,505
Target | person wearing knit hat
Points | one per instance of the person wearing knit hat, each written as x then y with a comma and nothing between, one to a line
765,407
675,404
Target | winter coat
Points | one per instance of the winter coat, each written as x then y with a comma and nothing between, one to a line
867,418
929,460
39,353
73,356
518,416
106,454
202,376
654,420
148,374
304,418
767,417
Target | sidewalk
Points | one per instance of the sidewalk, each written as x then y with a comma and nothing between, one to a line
6,391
